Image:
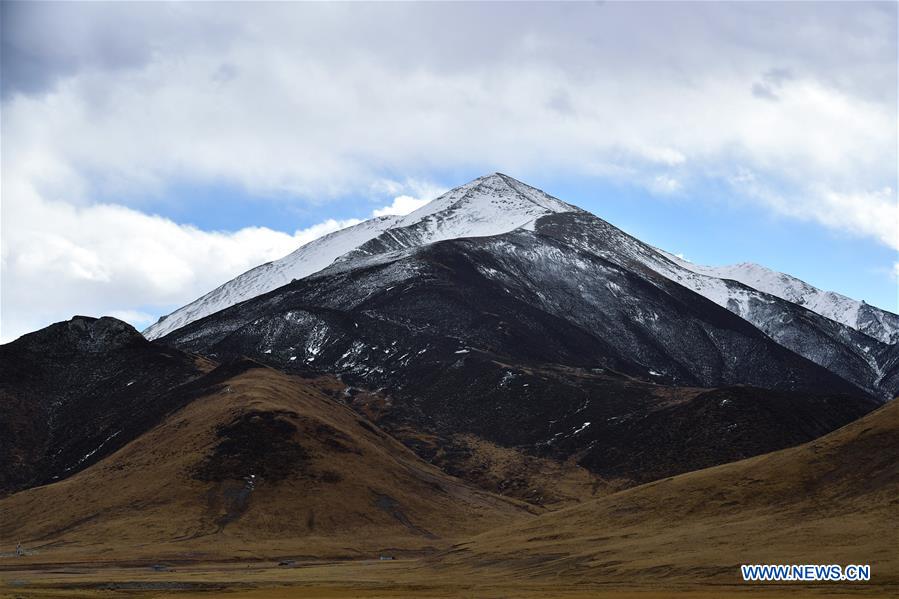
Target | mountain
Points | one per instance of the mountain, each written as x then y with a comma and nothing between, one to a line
783,308
830,501
848,353
76,391
257,464
537,339
486,206
863,317
565,233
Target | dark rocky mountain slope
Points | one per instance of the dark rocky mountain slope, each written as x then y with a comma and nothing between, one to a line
76,391
845,351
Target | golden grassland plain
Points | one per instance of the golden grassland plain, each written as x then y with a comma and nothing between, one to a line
101,532
404,578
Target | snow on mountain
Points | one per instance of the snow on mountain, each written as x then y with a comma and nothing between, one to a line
874,322
852,354
487,206
304,261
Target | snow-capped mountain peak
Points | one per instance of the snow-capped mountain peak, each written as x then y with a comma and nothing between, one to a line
874,322
488,195
489,205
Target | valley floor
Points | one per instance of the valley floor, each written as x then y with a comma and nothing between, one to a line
369,579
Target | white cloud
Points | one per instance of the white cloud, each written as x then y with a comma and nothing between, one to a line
665,156
873,213
60,260
401,205
665,184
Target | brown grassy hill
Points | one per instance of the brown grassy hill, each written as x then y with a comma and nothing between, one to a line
259,464
831,501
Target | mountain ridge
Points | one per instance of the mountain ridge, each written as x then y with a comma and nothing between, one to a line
498,203
852,354
859,315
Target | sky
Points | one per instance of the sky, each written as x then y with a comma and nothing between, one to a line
152,151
